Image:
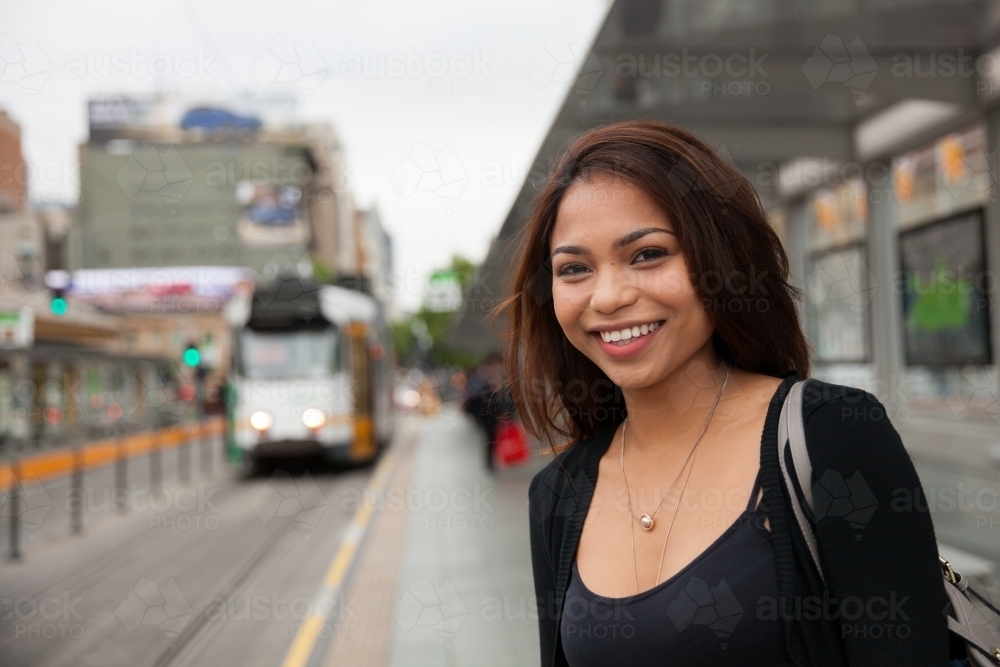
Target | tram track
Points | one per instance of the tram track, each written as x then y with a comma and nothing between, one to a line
204,624
90,575
257,552
137,548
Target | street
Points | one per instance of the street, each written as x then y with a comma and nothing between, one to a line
227,570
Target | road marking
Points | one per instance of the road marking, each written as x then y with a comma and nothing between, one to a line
305,639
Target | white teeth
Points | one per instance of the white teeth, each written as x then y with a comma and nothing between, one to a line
628,334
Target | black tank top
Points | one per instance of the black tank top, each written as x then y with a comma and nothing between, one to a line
718,610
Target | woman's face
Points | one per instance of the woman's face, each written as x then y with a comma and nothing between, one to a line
620,284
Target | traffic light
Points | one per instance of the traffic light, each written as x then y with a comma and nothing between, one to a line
192,357
58,304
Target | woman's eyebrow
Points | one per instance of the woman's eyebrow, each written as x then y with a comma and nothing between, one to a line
637,234
570,250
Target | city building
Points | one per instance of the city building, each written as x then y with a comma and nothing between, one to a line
13,171
164,182
22,237
374,254
71,367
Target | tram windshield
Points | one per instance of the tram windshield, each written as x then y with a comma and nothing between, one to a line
309,353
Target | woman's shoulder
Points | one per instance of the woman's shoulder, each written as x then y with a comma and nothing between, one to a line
849,426
829,404
565,474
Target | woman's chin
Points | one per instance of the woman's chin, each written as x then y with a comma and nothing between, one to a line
632,381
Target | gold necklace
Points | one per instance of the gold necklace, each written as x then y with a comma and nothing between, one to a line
646,520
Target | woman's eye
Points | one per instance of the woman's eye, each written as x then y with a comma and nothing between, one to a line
571,270
647,254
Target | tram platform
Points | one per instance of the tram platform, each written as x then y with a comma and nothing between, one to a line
443,576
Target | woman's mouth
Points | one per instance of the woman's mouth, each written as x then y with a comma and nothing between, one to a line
623,336
627,341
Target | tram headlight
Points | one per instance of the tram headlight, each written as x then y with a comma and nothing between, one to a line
261,421
313,418
412,398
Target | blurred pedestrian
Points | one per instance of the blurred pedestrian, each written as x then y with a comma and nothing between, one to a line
488,401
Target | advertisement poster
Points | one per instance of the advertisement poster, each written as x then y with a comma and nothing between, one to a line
949,175
945,293
841,214
964,177
271,215
916,186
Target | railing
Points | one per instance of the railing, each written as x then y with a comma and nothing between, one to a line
36,467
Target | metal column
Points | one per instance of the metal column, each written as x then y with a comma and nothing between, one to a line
992,233
798,219
886,305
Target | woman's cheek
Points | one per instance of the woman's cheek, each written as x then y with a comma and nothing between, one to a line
671,284
562,309
567,300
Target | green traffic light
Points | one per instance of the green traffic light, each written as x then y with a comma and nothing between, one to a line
59,306
192,357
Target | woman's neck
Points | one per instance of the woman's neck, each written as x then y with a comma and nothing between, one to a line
675,410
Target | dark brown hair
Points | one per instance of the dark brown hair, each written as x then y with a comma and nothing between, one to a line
737,263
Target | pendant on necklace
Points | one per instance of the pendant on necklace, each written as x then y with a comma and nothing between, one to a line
646,522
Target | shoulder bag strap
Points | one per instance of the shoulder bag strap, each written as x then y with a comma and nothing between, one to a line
792,434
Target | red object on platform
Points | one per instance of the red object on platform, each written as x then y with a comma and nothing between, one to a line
512,444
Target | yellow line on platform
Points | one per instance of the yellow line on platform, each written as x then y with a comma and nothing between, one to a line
305,639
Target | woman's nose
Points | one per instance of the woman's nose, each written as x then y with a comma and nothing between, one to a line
612,290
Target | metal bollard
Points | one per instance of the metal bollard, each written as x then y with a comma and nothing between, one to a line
15,510
206,438
184,457
155,463
121,472
206,449
76,492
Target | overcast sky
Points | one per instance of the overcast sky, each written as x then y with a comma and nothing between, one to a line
471,87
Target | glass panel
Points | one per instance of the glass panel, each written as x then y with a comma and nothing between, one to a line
839,297
294,354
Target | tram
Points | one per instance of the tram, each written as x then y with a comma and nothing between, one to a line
310,374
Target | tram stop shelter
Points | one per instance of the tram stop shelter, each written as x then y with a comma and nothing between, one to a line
870,131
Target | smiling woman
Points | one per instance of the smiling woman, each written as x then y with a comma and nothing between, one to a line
651,292
661,211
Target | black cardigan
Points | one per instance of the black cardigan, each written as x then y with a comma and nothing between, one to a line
877,545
